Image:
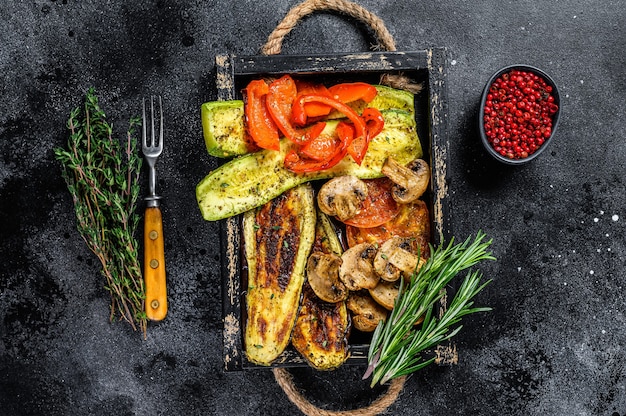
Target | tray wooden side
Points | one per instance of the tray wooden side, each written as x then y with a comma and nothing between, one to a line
427,67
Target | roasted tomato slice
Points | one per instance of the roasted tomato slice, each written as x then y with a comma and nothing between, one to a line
413,221
379,206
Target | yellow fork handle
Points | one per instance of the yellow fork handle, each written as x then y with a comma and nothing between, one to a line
154,265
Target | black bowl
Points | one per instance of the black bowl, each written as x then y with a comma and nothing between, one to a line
481,115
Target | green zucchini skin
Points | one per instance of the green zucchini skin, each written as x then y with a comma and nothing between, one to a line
252,180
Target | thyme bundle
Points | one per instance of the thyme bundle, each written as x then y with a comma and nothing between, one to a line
102,175
397,343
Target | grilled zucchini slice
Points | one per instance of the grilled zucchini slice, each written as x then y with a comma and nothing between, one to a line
278,238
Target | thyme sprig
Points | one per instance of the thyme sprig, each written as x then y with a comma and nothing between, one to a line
397,344
102,176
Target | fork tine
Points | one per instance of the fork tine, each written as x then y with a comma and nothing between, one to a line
160,124
152,143
144,141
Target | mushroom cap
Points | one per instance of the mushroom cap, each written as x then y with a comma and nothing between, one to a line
385,294
357,270
366,313
411,181
323,277
394,258
342,196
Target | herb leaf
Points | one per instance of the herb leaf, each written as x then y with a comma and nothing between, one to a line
397,343
102,176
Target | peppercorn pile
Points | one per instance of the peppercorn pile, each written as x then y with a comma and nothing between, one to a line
519,112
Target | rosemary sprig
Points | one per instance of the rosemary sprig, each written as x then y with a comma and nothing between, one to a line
397,343
102,175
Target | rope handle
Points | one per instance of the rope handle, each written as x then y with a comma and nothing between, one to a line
378,406
273,46
275,40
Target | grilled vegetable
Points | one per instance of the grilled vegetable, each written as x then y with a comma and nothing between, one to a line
385,293
394,259
357,268
254,179
366,313
278,238
342,196
224,128
413,222
321,331
411,181
322,273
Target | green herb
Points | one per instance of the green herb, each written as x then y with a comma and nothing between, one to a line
397,343
102,175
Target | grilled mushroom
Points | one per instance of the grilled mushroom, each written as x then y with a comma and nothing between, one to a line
323,276
411,181
357,270
385,294
342,196
366,313
394,258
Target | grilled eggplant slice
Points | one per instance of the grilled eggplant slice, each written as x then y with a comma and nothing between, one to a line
278,238
321,331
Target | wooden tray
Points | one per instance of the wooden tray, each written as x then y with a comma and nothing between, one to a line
427,67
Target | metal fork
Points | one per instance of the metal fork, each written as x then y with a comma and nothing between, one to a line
154,251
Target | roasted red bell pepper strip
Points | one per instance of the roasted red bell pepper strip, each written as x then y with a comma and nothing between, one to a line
352,91
313,109
298,111
374,121
298,162
361,137
259,123
322,147
279,101
280,97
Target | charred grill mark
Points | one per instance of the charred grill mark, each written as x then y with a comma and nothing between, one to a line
278,238
285,329
262,325
326,326
289,248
